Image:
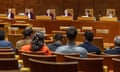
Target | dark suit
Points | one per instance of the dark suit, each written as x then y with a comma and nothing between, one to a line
32,16
11,15
113,51
52,16
90,47
54,46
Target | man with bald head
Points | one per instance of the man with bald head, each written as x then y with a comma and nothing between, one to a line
116,49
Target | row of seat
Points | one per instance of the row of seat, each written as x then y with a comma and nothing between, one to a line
91,64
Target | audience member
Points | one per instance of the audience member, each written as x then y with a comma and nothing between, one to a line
3,42
71,47
27,38
10,14
58,42
88,36
37,44
116,49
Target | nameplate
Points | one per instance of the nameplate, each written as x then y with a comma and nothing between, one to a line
13,28
102,31
87,28
63,27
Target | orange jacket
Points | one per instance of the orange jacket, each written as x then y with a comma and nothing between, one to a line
44,49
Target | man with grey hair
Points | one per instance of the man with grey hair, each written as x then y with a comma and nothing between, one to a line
116,49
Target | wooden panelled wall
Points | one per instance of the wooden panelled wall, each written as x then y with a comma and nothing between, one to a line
40,6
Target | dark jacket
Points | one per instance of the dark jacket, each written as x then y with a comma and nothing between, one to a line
113,51
11,15
90,47
32,16
52,16
54,46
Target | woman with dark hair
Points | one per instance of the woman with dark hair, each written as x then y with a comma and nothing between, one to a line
37,44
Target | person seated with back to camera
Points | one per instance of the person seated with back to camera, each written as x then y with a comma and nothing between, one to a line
57,42
37,44
48,13
27,38
10,14
66,13
70,47
88,36
30,14
4,43
116,49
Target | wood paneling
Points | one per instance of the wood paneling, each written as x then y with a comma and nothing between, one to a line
107,30
40,6
4,5
18,5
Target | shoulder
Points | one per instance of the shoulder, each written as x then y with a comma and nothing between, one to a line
61,48
83,52
81,49
7,42
109,51
45,47
26,46
19,41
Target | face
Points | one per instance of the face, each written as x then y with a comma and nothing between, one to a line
28,10
48,11
66,11
9,10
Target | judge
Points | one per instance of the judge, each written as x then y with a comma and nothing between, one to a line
30,14
48,13
66,13
87,13
110,15
10,14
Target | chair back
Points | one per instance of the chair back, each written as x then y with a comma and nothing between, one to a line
8,64
45,66
116,64
7,54
60,57
98,42
25,57
6,49
87,64
34,53
107,59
